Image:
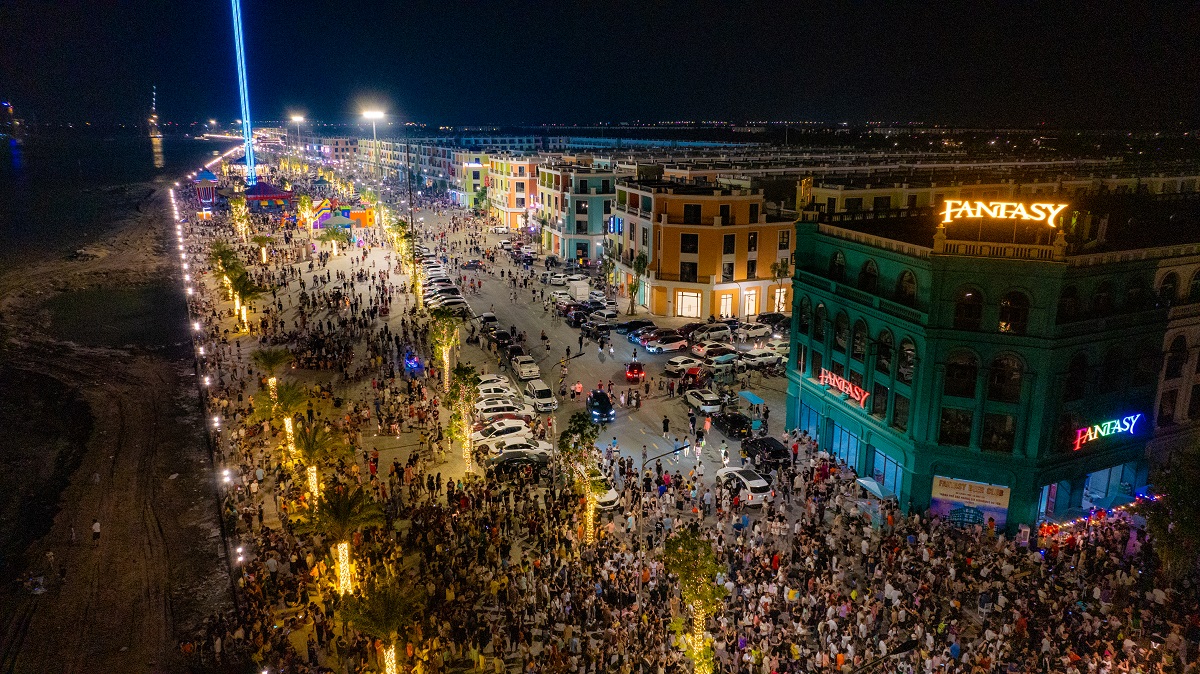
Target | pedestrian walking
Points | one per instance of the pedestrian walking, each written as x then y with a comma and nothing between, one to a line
95,533
666,426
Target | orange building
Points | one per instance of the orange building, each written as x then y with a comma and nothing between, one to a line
512,188
712,250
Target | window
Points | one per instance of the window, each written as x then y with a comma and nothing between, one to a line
751,269
1075,385
645,237
805,316
881,203
1004,380
900,413
729,244
780,300
908,361
1110,372
962,369
607,206
1014,313
1166,407
687,304
1137,297
999,431
810,421
906,288
837,267
726,306
968,309
689,243
818,362
1177,357
1168,288
474,175
691,214
520,188
956,427
581,207
1194,402
879,399
753,213
687,272
887,472
724,212
1068,305
868,277
858,343
844,445
582,187
841,332
726,272
1102,300
801,357
520,202
752,242
819,320
1194,288
1146,369
853,204
883,353
785,239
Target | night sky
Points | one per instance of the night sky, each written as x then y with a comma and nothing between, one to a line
1093,64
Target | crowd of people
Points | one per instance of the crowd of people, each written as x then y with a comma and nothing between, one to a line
820,579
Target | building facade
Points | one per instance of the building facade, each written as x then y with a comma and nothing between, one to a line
512,189
573,208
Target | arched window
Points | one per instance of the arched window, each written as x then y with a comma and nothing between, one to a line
868,277
837,267
1136,295
1148,364
1177,357
1004,380
1194,288
1075,385
907,365
1168,288
858,341
906,288
883,353
841,332
1111,371
819,320
805,315
962,369
1014,313
1102,300
968,309
1068,305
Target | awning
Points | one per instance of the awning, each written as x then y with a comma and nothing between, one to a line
880,492
751,398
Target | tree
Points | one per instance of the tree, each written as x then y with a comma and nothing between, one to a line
779,271
463,390
317,447
239,214
282,403
334,234
691,559
640,264
269,361
386,610
579,434
443,336
1173,518
224,258
304,212
245,291
261,241
481,197
338,516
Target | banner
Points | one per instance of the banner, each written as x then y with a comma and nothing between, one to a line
966,503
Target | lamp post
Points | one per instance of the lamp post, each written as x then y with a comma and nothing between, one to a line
374,115
298,119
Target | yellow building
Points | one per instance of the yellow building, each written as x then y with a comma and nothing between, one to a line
711,250
512,188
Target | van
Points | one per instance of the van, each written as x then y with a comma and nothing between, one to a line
717,332
538,394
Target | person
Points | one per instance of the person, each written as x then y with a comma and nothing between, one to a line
666,426
95,533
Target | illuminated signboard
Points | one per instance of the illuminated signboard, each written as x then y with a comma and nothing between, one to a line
1001,210
857,393
1121,425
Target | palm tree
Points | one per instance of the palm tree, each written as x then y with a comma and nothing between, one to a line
462,392
779,271
443,336
640,263
245,291
691,559
223,257
385,611
283,403
261,241
335,234
270,360
240,215
304,212
316,447
338,516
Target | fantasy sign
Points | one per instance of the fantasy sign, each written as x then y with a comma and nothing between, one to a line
1001,210
1121,425
857,393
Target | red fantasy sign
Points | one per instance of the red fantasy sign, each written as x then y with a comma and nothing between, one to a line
857,393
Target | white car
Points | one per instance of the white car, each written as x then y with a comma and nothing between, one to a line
760,358
490,411
525,368
607,497
754,489
525,443
504,428
702,348
604,315
504,389
505,244
597,295
782,347
612,305
456,305
559,280
486,379
576,277
669,343
753,330
680,364
703,400
538,394
498,229
560,296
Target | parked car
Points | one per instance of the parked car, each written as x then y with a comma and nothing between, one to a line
558,279
656,335
635,372
783,347
502,338
635,335
688,328
488,320
607,315
606,495
637,323
667,343
504,428
601,407
486,379
680,364
766,451
456,306
525,368
513,351
756,358
701,349
715,332
597,295
779,323
733,424
490,411
560,296
538,394
753,330
593,328
702,400
754,488
516,461
526,443
492,390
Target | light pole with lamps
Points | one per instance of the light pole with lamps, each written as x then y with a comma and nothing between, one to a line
374,115
298,119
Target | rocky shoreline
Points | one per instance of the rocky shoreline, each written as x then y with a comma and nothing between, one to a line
142,470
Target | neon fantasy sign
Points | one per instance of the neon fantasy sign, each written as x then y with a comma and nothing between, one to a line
857,393
1121,425
1001,210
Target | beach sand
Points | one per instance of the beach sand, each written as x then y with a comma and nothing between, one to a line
142,470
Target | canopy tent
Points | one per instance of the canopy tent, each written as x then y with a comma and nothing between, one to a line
879,491
751,398
338,221
264,191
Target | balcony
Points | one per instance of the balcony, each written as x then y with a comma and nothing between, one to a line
669,276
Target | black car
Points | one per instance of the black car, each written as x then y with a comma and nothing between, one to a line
593,305
578,317
636,324
636,334
601,407
734,425
514,351
502,338
594,329
472,264
776,320
771,451
519,460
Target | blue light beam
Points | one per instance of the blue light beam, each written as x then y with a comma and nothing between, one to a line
247,129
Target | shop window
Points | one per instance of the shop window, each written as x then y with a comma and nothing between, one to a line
962,369
1166,407
900,413
819,320
841,332
837,267
879,400
1168,288
1014,313
999,431
1177,357
883,353
968,309
810,421
906,288
1075,385
868,277
858,343
1111,371
907,365
887,472
1004,380
1068,305
1102,299
802,323
844,445
955,427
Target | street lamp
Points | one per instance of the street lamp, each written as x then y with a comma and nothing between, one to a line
374,116
298,119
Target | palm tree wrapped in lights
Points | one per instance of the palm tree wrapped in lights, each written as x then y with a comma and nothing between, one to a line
575,444
240,215
338,516
282,403
261,240
315,448
335,234
224,259
462,391
691,559
443,335
245,290
304,212
269,361
386,610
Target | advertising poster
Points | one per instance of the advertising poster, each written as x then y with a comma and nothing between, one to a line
966,503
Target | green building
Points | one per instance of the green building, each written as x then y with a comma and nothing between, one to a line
994,366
